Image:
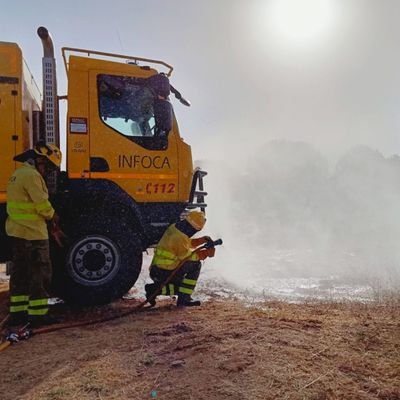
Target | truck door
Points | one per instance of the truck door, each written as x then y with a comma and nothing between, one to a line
125,144
8,125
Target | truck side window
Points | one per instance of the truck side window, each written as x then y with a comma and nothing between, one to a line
126,104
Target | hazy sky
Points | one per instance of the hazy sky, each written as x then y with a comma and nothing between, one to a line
323,71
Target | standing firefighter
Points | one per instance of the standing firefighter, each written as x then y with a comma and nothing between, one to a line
174,247
28,209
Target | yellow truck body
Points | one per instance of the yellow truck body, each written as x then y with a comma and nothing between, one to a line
19,99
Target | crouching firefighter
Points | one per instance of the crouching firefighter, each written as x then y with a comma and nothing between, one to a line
175,256
29,211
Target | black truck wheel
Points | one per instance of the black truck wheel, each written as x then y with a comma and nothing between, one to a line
101,261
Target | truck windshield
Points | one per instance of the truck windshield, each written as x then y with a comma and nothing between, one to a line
126,106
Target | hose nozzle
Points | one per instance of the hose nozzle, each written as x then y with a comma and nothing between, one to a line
214,243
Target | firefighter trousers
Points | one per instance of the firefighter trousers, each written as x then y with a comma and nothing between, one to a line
183,282
30,278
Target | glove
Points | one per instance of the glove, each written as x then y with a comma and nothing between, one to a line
55,220
203,254
58,235
56,232
199,241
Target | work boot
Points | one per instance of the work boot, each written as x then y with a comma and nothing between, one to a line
38,321
184,300
150,289
16,319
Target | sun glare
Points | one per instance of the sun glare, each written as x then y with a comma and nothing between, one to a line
300,22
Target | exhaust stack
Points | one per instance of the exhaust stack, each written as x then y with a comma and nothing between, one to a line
50,99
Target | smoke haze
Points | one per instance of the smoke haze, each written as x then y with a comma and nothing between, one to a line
286,213
301,149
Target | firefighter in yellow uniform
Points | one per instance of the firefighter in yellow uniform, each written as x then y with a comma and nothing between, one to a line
176,245
29,210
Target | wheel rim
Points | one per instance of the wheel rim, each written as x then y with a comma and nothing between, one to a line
93,260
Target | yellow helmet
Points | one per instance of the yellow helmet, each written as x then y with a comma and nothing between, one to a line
197,219
51,152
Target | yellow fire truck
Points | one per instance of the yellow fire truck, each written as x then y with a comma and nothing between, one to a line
129,174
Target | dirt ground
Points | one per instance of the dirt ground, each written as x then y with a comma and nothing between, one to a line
221,350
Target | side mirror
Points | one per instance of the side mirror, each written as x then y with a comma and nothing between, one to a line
163,116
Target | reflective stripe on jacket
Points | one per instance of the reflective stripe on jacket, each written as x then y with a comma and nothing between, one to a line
28,205
173,247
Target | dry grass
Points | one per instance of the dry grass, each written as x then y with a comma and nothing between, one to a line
222,350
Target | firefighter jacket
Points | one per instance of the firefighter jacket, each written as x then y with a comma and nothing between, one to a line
173,247
28,205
